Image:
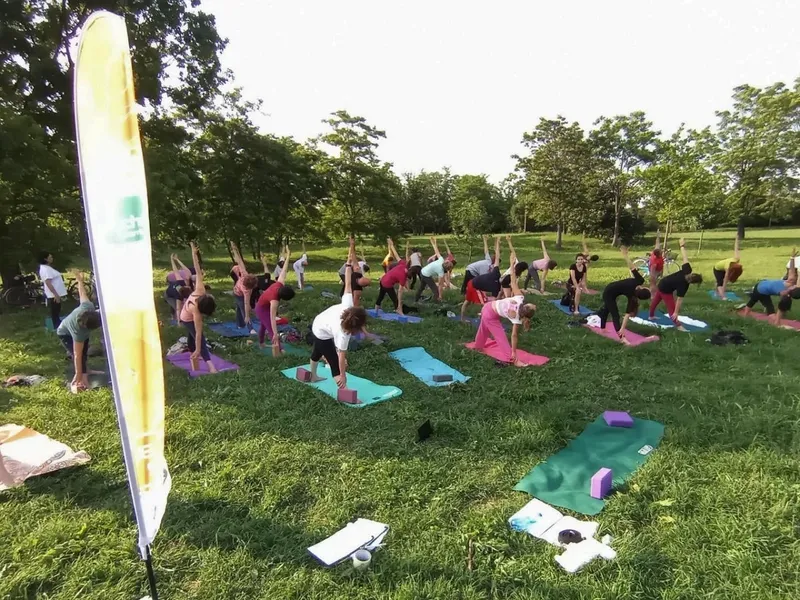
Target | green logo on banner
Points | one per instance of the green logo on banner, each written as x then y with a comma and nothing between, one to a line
130,225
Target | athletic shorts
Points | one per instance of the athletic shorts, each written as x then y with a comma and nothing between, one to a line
474,296
353,281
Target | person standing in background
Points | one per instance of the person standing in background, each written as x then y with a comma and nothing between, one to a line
54,288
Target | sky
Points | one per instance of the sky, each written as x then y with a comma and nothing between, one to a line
456,84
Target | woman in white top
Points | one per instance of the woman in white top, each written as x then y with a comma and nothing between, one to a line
333,327
299,268
414,266
515,309
54,288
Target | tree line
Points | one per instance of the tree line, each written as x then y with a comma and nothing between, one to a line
213,175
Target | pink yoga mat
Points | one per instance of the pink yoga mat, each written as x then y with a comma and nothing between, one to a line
634,338
182,362
527,358
763,317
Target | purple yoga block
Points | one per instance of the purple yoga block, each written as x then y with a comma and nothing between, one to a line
347,396
601,483
303,375
618,418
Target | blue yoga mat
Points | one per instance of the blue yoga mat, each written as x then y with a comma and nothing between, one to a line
729,296
230,330
368,392
423,366
565,309
665,321
391,316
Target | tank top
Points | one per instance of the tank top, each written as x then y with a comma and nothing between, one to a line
186,314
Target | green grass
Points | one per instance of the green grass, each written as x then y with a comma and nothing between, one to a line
263,467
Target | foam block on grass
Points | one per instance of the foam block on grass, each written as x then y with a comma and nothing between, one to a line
601,483
442,377
618,418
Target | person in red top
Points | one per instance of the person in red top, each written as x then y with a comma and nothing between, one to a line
242,289
267,307
656,266
396,276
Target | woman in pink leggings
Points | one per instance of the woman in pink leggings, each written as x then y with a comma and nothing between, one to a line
267,307
515,310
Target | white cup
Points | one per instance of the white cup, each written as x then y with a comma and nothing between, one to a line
361,559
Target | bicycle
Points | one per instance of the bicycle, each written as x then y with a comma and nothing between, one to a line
670,264
88,285
28,292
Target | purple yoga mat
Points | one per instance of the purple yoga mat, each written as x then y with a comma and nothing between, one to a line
182,362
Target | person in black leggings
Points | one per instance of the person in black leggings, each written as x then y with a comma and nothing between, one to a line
633,289
332,328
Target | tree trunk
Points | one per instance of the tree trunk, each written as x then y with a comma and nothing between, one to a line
559,234
617,213
525,221
740,228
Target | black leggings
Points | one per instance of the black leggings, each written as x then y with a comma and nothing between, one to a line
430,283
468,276
55,312
68,343
327,349
414,273
533,274
191,340
784,304
568,299
387,291
719,276
609,307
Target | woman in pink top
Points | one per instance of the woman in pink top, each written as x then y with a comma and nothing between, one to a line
242,289
515,310
396,276
545,265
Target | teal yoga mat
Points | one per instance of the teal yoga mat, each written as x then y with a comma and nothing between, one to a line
729,296
423,366
565,309
564,479
368,392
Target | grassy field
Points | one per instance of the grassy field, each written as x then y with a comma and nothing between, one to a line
263,467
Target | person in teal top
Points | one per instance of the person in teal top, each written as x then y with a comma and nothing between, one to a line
74,333
786,290
438,268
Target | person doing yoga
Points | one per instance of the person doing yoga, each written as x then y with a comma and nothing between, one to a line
332,329
415,266
242,289
358,280
518,267
785,289
484,285
196,307
267,307
632,289
588,259
74,332
477,268
678,284
543,265
655,265
575,285
178,286
438,268
396,276
728,270
512,308
299,268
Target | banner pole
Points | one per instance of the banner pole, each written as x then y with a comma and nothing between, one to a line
151,575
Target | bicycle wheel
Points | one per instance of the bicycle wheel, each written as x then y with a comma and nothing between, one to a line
642,265
16,296
670,267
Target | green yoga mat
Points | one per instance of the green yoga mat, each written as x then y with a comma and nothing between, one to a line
368,391
564,479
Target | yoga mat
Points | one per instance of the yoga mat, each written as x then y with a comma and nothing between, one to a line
759,316
564,478
182,362
565,309
634,338
729,296
368,392
391,316
662,321
491,349
288,350
48,324
229,329
423,366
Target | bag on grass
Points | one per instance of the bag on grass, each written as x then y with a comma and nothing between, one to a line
725,337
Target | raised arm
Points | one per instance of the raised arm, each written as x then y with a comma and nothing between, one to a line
348,271
624,251
511,249
238,258
182,266
265,264
515,291
658,240
544,250
446,247
684,254
82,295
175,270
736,254
284,268
486,248
435,247
497,252
392,249
585,246
199,285
408,253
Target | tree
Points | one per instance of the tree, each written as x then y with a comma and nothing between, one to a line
623,145
557,175
468,216
365,194
681,187
428,196
758,149
36,71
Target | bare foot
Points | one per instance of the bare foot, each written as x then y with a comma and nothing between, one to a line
316,378
576,313
653,318
519,363
399,311
624,341
211,367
